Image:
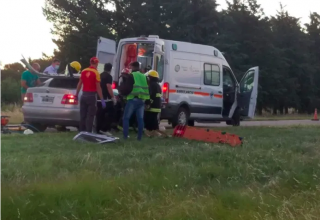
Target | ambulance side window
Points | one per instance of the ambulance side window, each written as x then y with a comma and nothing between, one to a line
211,74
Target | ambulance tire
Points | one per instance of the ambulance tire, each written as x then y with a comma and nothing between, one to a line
182,114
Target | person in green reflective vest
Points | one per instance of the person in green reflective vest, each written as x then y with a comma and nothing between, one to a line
136,100
151,114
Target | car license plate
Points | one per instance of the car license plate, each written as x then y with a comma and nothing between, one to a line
47,99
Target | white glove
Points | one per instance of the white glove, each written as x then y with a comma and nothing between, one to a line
114,101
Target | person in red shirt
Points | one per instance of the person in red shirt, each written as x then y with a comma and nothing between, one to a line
90,83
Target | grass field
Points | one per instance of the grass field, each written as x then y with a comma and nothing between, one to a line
274,175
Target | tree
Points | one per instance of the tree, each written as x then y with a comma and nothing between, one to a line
77,25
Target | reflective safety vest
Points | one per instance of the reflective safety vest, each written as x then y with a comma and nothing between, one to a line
154,106
140,87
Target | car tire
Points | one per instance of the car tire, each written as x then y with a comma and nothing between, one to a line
181,118
191,123
35,127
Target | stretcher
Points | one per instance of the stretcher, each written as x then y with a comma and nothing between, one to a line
207,135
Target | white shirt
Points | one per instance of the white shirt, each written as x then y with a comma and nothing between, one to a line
51,70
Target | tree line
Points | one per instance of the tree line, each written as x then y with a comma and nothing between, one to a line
286,50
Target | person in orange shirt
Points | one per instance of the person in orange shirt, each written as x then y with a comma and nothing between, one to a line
90,79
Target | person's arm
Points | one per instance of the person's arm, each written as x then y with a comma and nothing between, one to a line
98,86
24,84
24,81
109,85
99,90
38,81
79,86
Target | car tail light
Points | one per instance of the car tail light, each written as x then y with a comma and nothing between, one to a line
69,99
114,85
28,97
165,92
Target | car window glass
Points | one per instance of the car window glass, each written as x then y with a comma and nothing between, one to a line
228,79
246,84
211,74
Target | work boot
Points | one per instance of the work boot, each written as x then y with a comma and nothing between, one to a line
148,133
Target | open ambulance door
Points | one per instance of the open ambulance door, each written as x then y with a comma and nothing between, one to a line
248,93
158,57
106,51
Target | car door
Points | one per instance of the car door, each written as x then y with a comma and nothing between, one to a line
106,51
211,91
248,92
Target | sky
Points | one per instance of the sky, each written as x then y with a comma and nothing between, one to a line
24,29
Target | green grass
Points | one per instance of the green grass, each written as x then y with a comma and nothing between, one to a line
274,175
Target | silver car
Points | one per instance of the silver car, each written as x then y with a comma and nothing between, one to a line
53,103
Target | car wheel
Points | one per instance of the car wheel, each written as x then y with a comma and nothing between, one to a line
191,123
181,118
35,127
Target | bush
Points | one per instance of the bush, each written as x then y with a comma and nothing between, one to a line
10,91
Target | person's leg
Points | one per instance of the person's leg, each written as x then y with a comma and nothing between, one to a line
83,113
139,116
154,126
128,111
99,117
108,116
92,109
147,120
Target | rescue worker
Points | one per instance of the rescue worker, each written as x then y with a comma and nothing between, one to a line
73,68
151,113
90,79
136,100
121,104
105,117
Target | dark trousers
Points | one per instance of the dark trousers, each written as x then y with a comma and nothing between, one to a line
151,121
105,117
88,110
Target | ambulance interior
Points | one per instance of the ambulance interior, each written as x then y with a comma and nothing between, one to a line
141,52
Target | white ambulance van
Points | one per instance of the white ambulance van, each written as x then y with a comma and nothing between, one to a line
197,81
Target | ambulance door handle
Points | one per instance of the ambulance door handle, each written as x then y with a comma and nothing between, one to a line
220,92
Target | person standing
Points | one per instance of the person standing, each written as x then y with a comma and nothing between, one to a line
136,100
29,79
90,79
104,123
53,68
151,114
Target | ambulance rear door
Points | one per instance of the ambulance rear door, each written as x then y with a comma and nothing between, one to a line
106,51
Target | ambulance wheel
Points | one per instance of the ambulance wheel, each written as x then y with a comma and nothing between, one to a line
181,118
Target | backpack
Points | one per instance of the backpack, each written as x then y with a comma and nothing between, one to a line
125,86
